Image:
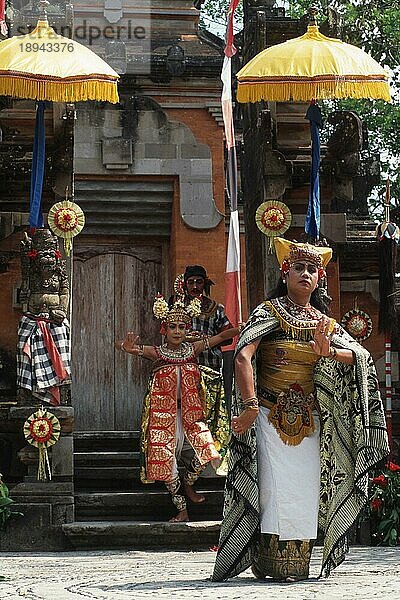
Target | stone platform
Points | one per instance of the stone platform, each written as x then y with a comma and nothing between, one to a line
367,573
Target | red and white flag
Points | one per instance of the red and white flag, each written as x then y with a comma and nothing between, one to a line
3,24
233,307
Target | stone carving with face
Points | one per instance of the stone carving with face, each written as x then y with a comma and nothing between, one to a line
44,281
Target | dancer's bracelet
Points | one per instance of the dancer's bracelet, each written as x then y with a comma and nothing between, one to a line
251,403
332,353
246,400
140,348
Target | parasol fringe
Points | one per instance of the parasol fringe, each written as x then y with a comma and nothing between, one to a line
277,91
59,91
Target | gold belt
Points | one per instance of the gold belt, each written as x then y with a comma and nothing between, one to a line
291,414
266,403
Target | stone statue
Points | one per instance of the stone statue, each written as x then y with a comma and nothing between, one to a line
343,159
43,362
44,280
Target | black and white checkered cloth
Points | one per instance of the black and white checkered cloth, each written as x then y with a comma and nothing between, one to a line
36,372
211,325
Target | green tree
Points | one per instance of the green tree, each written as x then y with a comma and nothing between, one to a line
373,25
214,15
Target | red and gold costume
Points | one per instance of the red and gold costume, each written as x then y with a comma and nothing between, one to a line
179,383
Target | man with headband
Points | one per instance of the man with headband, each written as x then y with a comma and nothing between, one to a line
212,319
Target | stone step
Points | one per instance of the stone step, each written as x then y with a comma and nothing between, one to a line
105,472
94,459
140,535
106,441
148,504
86,479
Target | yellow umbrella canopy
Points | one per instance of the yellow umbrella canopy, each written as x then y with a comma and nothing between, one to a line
309,67
45,66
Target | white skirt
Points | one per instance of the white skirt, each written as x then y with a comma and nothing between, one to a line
289,482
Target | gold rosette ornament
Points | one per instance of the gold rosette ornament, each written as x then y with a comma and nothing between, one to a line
179,285
357,323
42,430
66,219
273,218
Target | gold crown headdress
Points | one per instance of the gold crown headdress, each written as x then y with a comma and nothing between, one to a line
178,311
289,252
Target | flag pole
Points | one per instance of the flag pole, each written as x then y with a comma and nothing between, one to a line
233,308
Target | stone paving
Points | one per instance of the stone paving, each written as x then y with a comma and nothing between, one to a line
117,575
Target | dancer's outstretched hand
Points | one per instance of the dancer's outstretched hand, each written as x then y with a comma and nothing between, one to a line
129,343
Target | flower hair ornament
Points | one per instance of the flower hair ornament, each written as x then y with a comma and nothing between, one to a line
178,312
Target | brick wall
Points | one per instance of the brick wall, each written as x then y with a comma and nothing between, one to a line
205,247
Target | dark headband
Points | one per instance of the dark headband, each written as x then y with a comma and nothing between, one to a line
193,270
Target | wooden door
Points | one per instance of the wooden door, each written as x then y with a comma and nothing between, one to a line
114,285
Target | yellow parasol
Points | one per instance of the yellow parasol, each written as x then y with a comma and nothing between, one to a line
308,68
45,66
312,67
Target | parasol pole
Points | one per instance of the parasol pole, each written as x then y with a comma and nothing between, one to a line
388,387
70,261
388,346
388,235
313,114
313,216
38,166
39,152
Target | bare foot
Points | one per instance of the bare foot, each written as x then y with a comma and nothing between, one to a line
244,421
193,496
181,517
291,579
